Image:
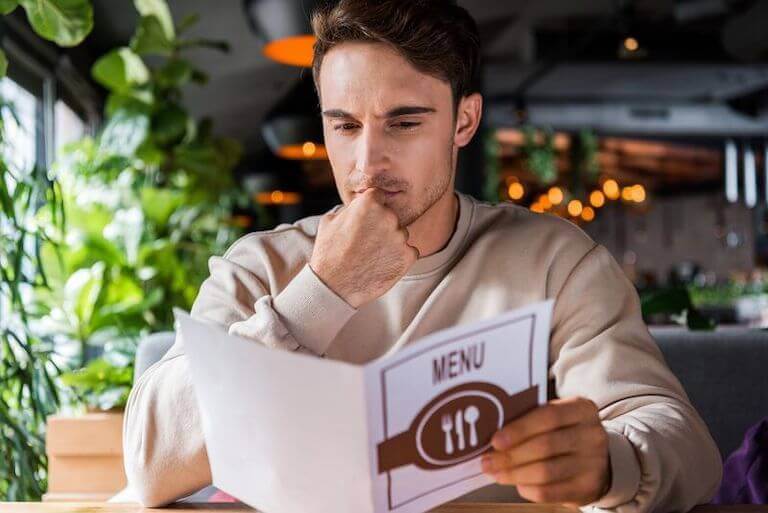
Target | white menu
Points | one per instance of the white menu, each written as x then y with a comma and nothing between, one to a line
287,432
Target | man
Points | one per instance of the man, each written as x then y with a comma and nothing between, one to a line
406,255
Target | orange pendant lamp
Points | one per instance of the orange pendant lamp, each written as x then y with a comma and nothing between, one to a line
284,27
293,128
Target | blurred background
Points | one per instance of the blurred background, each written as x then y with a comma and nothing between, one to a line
140,138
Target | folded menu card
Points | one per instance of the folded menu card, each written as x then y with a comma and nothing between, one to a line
289,432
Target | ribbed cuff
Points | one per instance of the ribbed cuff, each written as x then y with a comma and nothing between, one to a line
625,472
313,313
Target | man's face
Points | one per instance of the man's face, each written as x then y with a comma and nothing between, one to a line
387,126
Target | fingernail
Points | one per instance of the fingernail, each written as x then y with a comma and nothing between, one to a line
486,464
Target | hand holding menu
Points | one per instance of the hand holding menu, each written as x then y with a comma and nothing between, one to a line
288,432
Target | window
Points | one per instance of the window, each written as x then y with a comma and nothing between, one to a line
68,126
20,149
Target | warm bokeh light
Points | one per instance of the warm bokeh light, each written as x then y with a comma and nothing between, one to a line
309,148
516,190
588,214
631,44
611,189
544,202
597,199
278,198
300,151
626,193
555,195
574,207
638,193
241,221
537,208
294,50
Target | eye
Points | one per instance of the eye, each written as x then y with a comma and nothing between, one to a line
407,125
345,127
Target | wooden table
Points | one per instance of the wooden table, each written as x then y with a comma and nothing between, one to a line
465,507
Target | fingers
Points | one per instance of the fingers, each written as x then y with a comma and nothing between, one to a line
576,491
583,438
569,478
373,194
550,417
541,472
555,453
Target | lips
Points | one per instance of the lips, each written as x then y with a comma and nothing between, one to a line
385,191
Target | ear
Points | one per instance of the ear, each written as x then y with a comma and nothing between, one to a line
468,119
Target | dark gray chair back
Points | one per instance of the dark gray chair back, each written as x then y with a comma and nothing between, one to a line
725,373
150,350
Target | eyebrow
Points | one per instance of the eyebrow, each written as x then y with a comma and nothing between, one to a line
404,110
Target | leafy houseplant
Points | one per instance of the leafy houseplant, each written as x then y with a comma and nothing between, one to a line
147,203
28,392
540,155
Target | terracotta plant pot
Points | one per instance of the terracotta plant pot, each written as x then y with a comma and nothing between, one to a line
85,456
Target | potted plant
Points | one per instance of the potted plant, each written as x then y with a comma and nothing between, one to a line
147,203
28,392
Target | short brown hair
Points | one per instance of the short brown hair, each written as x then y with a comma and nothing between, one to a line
437,37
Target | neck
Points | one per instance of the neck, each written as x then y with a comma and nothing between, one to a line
431,232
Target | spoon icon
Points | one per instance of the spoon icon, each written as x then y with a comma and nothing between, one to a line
471,414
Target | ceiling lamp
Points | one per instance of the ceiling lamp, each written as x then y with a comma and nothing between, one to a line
293,128
284,27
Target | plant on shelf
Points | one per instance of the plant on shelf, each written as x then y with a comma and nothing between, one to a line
105,382
539,153
28,393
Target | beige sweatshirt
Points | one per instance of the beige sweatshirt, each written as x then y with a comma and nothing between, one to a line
499,257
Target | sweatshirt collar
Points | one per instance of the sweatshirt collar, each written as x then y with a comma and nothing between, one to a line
437,260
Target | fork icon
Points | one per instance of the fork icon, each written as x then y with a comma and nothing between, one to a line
447,425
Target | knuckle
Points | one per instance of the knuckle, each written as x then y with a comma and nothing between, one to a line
550,417
590,408
600,436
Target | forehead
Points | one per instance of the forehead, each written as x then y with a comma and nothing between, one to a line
374,75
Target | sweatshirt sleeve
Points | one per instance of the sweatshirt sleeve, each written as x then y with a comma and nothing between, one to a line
662,454
163,445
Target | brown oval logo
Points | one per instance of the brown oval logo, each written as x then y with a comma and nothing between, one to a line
455,426
458,427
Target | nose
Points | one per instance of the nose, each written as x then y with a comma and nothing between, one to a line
372,158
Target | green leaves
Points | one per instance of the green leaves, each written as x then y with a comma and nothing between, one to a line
120,70
102,384
155,34
81,292
159,10
675,301
8,6
175,74
151,38
3,64
125,132
539,150
169,125
65,22
27,390
158,204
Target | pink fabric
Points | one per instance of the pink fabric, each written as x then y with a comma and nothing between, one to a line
220,496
